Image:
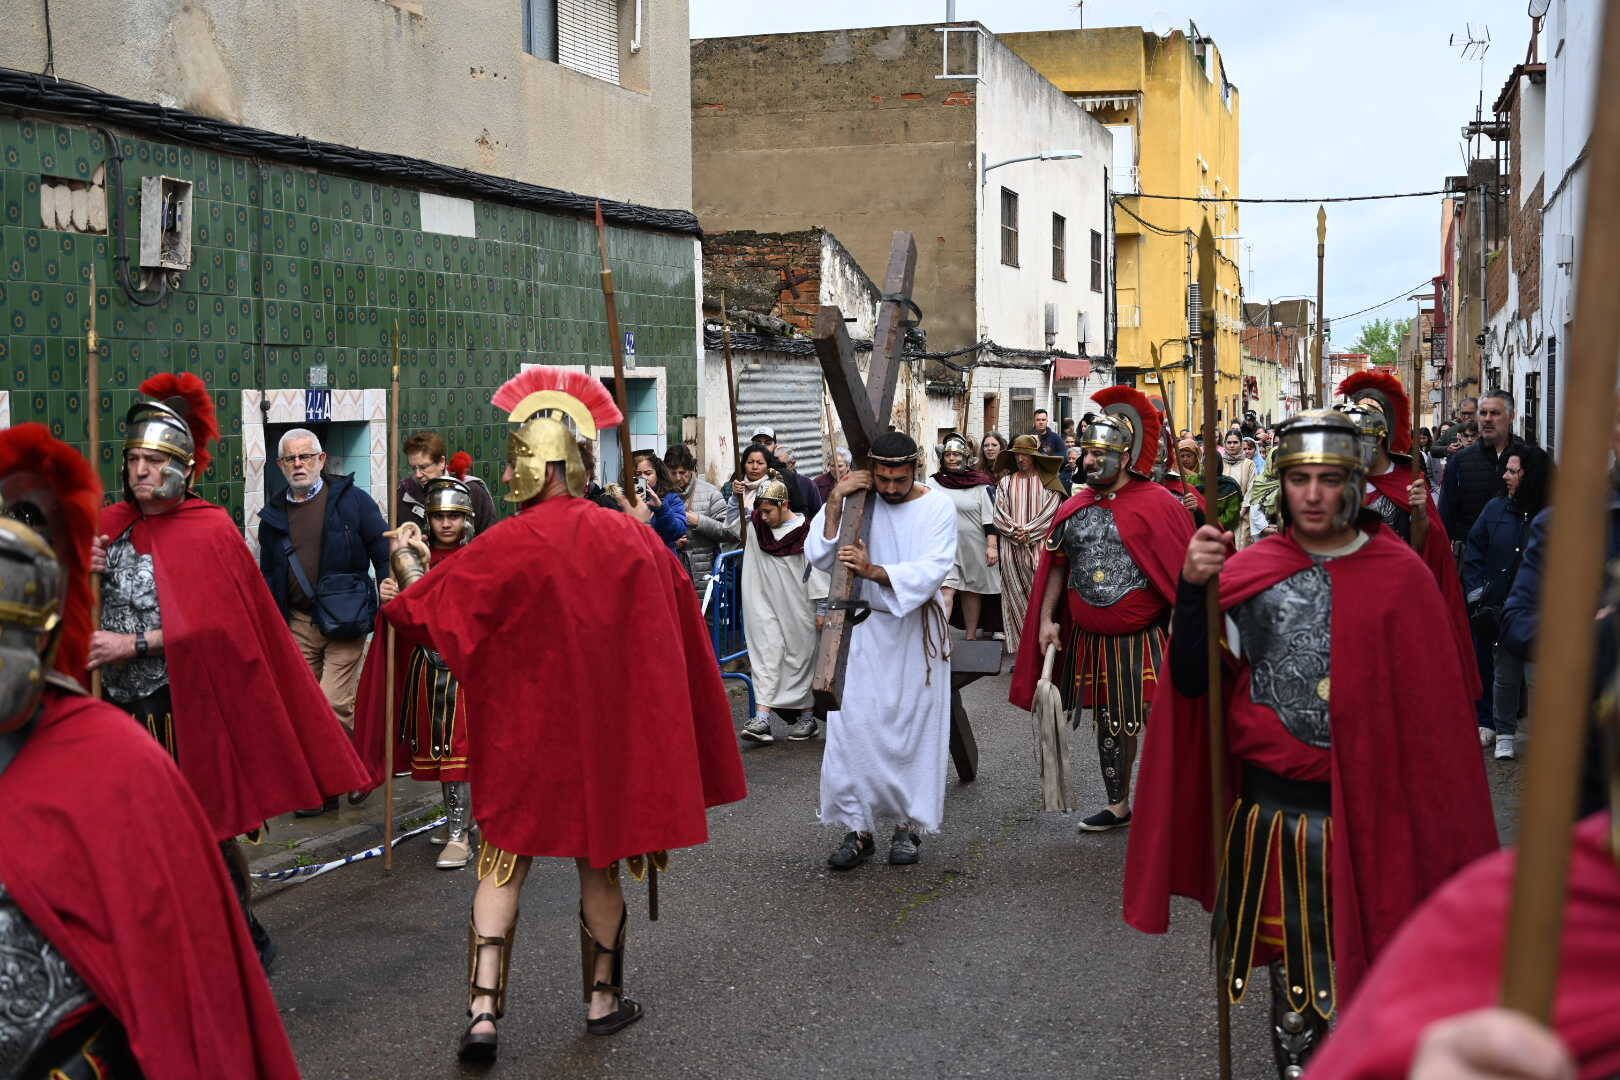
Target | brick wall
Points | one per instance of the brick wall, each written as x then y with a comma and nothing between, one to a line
1496,280
773,273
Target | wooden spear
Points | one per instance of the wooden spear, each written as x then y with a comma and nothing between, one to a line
1572,572
1219,808
390,720
731,388
1420,507
616,344
92,422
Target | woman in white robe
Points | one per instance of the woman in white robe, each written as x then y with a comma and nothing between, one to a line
974,574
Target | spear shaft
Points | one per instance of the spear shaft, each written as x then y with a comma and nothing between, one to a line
616,344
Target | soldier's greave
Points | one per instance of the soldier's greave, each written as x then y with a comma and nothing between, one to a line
1111,755
1294,1035
478,943
458,809
590,949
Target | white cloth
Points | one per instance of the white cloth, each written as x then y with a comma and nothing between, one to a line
975,508
779,620
887,748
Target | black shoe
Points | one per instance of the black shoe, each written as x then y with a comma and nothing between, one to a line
481,1047
856,849
358,797
316,811
626,1014
904,847
1104,820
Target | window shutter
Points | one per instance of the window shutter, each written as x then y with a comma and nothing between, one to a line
588,37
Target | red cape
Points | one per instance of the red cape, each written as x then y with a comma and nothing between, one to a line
1437,555
1448,959
604,730
1178,487
371,723
1156,529
256,737
145,915
1410,800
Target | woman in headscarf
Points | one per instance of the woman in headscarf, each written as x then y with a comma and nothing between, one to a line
977,546
1027,496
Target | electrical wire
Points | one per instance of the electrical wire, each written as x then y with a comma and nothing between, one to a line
1286,198
1404,294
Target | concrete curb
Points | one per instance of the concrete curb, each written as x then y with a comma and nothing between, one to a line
329,846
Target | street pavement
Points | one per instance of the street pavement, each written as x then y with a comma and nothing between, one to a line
1002,954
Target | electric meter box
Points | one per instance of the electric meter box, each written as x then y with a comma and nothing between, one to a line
165,223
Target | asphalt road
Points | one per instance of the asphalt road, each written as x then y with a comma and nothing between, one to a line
1002,954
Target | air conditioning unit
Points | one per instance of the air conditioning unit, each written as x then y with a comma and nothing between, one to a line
1051,324
1082,333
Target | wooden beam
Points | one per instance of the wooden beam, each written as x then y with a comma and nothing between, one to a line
837,354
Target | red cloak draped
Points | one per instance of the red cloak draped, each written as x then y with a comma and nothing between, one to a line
1156,529
255,735
1447,959
371,722
1410,800
603,728
1437,556
1178,487
145,915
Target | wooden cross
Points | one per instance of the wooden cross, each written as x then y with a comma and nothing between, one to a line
864,408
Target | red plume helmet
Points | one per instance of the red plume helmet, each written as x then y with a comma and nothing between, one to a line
461,464
60,484
1384,387
1144,418
189,396
581,387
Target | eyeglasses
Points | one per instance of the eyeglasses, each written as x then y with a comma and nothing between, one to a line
299,459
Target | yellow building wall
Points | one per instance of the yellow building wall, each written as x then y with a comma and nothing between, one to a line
1187,138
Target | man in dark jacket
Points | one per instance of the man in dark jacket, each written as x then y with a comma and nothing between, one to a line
331,527
807,499
1474,474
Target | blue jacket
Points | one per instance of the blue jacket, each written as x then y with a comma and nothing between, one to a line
669,520
1519,613
351,540
1492,552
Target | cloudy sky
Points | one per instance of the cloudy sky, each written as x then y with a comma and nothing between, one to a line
1337,98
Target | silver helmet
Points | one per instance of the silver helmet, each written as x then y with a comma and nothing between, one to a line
32,592
1323,437
157,425
1117,438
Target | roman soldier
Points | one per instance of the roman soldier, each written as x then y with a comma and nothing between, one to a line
431,731
1104,588
1355,792
124,955
190,637
576,635
1377,404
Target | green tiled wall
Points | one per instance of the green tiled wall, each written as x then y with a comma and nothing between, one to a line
293,268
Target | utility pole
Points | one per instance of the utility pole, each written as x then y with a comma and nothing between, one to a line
1321,254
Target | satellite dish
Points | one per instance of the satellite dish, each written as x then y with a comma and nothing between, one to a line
1161,24
1538,8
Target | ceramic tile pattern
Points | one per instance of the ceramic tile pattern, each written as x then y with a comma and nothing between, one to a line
294,268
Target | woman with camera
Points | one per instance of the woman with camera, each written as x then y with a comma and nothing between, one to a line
656,488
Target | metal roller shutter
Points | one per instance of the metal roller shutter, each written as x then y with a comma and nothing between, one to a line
783,392
588,37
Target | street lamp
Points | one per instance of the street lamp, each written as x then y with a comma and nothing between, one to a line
1045,155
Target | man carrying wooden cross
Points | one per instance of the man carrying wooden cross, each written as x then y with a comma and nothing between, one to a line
887,744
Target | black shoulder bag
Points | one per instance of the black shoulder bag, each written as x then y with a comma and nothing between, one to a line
345,603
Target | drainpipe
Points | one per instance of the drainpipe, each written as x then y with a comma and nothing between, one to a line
635,38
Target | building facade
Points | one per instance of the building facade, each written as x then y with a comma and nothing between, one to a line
865,132
1175,118
299,259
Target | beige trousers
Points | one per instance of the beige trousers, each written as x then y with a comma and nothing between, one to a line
336,664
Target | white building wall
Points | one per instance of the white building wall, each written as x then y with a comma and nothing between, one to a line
1019,112
845,284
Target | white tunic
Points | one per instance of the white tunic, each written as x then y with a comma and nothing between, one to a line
887,748
779,620
975,508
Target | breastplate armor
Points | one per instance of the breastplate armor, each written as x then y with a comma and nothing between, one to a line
1400,521
1101,570
129,605
1285,634
40,989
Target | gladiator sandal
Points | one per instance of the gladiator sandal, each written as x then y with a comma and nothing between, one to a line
590,950
481,1046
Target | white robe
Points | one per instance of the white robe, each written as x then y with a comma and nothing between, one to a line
779,620
887,748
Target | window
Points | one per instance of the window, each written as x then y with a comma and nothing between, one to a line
1009,227
1058,228
992,413
1021,411
1096,261
578,34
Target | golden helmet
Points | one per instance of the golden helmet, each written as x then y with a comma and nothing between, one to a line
542,401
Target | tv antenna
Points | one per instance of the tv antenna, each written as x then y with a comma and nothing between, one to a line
1471,46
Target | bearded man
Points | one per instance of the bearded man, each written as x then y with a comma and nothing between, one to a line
1104,590
1327,728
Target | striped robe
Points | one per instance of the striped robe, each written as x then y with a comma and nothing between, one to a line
1022,501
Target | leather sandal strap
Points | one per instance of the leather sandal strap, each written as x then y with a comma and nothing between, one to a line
483,942
483,991
481,1017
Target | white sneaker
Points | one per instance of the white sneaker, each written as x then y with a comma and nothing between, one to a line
1486,737
1505,748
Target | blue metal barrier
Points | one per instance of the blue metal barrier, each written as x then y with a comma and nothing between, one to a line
722,606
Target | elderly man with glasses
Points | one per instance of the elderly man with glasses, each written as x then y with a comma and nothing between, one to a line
318,538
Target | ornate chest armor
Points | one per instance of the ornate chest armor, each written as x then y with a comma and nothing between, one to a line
129,605
40,989
1101,570
1285,634
1399,521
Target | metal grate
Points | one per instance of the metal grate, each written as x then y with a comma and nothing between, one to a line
588,37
